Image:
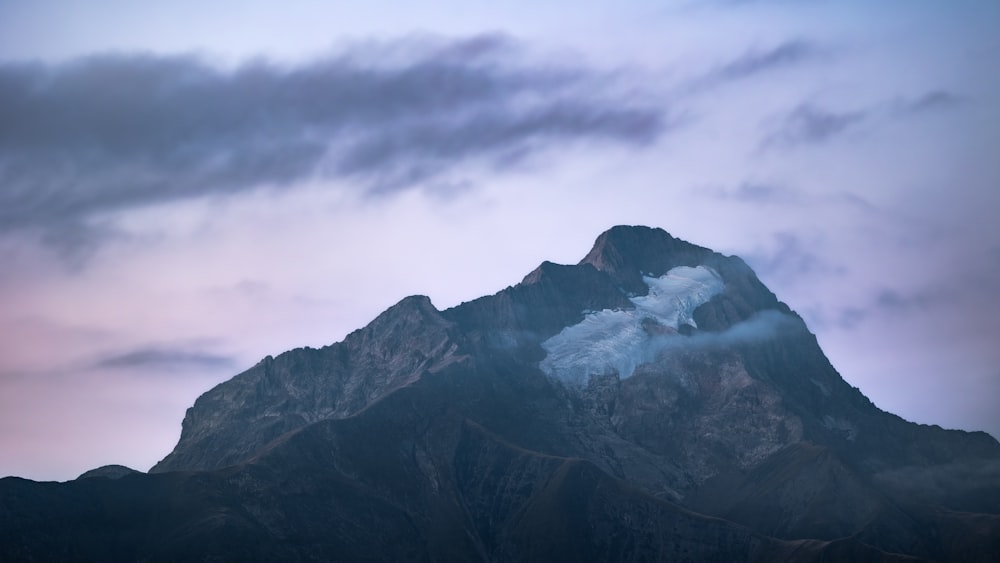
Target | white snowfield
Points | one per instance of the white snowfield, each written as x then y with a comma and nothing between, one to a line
612,341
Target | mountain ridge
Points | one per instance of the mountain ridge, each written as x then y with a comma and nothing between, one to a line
440,435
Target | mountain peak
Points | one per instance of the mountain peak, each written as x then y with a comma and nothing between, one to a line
622,244
627,252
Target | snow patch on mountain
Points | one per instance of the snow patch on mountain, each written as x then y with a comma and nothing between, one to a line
617,341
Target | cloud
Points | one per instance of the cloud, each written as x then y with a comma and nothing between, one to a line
766,194
755,193
757,61
761,327
414,153
714,5
99,134
790,258
808,124
888,301
754,62
166,358
931,101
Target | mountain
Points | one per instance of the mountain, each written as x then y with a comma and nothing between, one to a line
653,402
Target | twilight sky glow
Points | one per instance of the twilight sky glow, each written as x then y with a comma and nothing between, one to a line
186,187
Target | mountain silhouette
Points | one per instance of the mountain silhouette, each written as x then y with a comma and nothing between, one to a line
653,402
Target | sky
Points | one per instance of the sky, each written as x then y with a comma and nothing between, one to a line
187,187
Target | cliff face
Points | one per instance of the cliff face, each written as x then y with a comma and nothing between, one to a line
231,422
654,401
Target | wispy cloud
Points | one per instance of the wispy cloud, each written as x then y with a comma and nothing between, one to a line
888,301
755,193
762,326
112,132
931,101
790,258
808,124
166,358
754,62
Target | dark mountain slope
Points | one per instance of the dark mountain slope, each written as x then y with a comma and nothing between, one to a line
397,482
229,423
655,401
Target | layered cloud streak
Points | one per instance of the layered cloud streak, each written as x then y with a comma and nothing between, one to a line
103,133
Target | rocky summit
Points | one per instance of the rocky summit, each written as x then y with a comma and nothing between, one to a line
654,402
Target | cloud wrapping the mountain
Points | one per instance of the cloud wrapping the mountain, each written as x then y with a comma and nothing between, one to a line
103,133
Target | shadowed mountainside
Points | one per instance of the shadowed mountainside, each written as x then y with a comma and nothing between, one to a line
443,435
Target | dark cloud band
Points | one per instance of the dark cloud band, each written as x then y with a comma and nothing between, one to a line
104,133
160,358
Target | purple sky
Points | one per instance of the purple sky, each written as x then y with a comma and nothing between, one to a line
184,190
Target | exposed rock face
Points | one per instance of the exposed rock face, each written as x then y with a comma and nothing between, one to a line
230,423
441,435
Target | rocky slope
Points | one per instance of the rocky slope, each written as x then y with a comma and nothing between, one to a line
654,401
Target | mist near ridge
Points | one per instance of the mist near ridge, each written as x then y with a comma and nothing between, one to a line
618,341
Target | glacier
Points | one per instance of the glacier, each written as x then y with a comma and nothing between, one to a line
617,341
